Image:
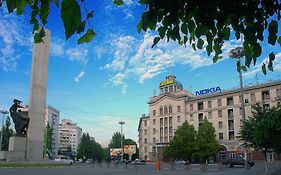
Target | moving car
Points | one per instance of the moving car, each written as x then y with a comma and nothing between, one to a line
64,159
138,162
237,160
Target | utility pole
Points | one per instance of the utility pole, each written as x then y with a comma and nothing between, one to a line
238,53
121,123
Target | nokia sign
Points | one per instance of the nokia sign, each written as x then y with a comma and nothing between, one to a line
209,90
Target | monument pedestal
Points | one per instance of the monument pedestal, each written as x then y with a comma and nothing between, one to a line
17,149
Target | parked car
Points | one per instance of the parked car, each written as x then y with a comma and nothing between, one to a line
237,160
64,159
138,162
180,162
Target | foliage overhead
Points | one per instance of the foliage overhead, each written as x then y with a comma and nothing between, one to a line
73,19
208,24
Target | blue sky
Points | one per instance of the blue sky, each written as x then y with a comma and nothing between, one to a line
111,79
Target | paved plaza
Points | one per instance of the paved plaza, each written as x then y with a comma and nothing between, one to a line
149,169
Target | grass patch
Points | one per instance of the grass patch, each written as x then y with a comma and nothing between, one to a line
29,165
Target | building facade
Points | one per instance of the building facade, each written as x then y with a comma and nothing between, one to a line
52,117
174,105
70,135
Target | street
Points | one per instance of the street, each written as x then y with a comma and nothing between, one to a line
149,169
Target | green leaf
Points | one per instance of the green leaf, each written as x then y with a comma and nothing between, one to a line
216,58
90,14
89,35
143,1
226,32
71,17
57,3
38,36
200,43
184,28
248,54
244,68
193,46
191,26
81,28
238,66
20,6
118,2
155,41
11,5
263,68
44,12
279,40
139,26
270,66
162,31
257,50
271,56
272,32
209,49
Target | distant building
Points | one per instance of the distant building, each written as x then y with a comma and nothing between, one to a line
70,135
174,105
52,116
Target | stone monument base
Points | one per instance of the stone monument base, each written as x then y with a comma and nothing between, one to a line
17,149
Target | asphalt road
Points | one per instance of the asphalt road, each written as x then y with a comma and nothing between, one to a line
149,169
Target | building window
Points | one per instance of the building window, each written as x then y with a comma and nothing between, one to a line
145,140
253,97
219,102
166,121
220,125
154,112
170,88
229,101
266,106
178,108
265,95
200,106
165,110
209,104
200,118
191,107
170,110
154,140
230,114
154,121
154,130
179,119
161,110
219,113
145,149
145,131
161,121
170,121
231,135
145,123
210,115
161,139
191,117
220,136
278,92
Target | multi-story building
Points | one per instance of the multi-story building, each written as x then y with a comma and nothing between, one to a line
70,135
52,116
174,105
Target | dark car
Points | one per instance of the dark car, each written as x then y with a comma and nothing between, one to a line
237,160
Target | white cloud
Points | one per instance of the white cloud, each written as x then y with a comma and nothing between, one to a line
57,48
79,76
79,54
13,34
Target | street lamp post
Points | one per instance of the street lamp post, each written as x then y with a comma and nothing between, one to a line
238,53
4,112
121,123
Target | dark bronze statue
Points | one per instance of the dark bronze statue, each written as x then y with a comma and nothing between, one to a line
20,118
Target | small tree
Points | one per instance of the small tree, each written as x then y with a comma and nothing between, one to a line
206,143
7,133
182,145
48,140
262,130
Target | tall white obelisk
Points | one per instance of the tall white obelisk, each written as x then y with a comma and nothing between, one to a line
37,99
